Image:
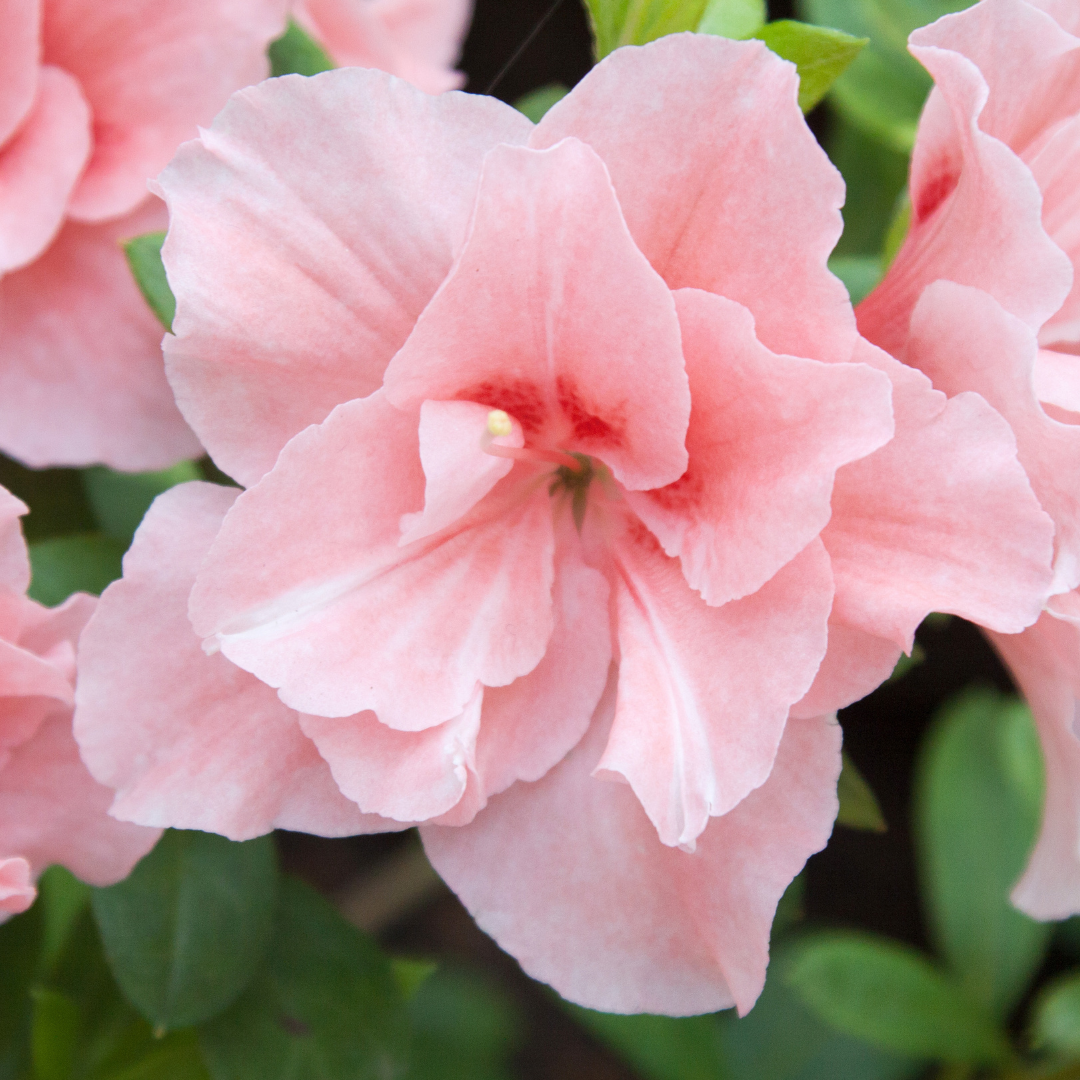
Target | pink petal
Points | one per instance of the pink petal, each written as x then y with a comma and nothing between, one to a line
39,167
1045,661
548,309
82,379
189,740
20,55
964,340
52,811
568,876
977,209
1057,379
408,776
704,692
940,519
767,434
14,561
734,195
152,72
457,471
342,619
296,284
1064,12
17,890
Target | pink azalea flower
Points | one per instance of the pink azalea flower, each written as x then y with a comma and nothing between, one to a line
95,96
417,40
576,507
51,810
984,297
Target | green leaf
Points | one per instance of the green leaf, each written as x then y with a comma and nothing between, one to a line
120,500
898,229
1055,1017
325,1005
144,259
68,564
907,663
978,798
63,899
820,54
781,1039
411,974
55,497
188,929
537,102
21,940
790,911
175,1057
891,995
55,1035
733,18
860,274
637,22
297,53
858,806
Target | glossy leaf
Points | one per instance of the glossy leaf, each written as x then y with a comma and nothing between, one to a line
186,932
733,18
892,996
67,564
54,1035
858,805
120,500
978,798
324,1005
144,259
537,102
637,22
297,53
821,55
1055,1018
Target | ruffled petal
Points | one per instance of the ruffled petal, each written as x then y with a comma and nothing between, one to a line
553,315
704,692
735,196
296,285
20,57
17,890
82,379
189,740
14,559
568,876
1057,379
767,434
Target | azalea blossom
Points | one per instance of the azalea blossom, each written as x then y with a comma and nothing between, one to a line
984,297
51,810
95,97
575,507
417,40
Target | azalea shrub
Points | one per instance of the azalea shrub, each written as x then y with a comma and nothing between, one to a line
533,504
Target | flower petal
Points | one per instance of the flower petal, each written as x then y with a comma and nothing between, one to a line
342,619
20,57
568,876
190,740
735,195
39,167
14,559
82,379
17,890
250,226
704,692
553,315
767,434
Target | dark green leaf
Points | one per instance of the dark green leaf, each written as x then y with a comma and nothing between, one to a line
67,564
537,102
175,1057
780,1039
120,500
297,53
790,911
858,806
144,258
636,22
820,54
859,273
186,932
1055,1022
907,663
57,504
21,940
410,974
324,1007
63,899
733,18
978,795
55,1035
892,996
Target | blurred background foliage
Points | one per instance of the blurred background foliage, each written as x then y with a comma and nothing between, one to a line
895,954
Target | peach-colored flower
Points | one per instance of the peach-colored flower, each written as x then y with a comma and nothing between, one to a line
417,40
576,506
51,810
95,96
984,297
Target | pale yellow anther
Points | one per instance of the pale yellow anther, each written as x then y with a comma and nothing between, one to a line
499,423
